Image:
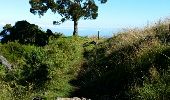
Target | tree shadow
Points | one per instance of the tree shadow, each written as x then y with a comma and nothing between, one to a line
36,77
34,72
109,76
105,76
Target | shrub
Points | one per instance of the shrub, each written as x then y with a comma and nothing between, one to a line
41,71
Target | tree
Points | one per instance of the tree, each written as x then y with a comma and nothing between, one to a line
25,33
69,10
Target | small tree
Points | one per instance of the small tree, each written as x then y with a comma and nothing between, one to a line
25,33
69,9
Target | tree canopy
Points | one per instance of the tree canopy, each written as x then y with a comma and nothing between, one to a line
69,9
25,33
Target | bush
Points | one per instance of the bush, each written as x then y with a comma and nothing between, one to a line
131,65
41,71
127,66
25,33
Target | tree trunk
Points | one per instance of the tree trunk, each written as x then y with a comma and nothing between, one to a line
75,33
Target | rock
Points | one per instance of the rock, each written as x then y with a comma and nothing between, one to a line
74,98
4,62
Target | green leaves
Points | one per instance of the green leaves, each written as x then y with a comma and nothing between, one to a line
68,9
44,71
25,33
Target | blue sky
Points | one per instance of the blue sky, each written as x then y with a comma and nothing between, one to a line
115,14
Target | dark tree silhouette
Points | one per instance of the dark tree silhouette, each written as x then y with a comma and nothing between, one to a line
69,9
25,33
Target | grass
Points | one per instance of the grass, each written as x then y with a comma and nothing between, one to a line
133,64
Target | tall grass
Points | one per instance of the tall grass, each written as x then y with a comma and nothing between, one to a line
130,65
133,64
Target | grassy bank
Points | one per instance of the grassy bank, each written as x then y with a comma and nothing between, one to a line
131,65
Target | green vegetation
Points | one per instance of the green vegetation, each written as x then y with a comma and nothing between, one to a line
72,10
135,64
44,71
25,33
130,65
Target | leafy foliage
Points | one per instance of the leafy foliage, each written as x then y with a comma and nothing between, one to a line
68,9
131,65
41,71
25,33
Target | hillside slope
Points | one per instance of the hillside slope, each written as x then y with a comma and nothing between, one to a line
131,65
